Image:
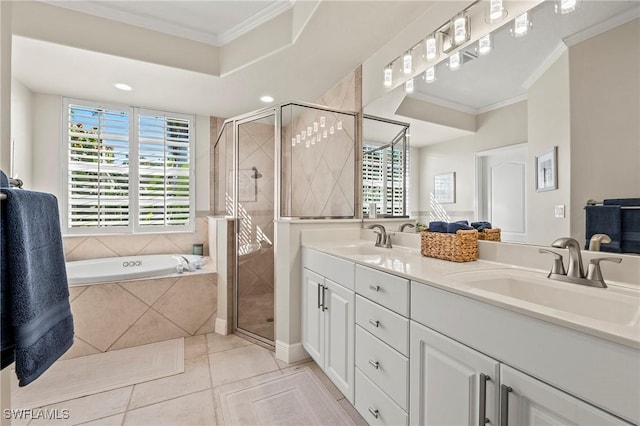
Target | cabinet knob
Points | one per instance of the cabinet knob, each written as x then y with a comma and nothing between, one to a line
375,364
374,287
374,412
374,323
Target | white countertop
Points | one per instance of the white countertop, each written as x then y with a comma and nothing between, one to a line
594,317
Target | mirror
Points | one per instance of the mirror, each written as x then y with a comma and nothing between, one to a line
385,156
570,85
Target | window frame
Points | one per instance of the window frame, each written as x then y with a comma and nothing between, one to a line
133,226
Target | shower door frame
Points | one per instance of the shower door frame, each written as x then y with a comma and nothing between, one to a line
237,122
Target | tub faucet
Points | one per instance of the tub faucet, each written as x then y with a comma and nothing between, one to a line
191,266
596,240
406,225
575,269
381,234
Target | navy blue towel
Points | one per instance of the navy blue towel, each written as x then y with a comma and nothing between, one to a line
35,293
630,240
438,226
481,225
457,226
622,202
604,220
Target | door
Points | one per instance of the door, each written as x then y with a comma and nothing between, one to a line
340,337
450,384
529,402
254,214
501,192
312,315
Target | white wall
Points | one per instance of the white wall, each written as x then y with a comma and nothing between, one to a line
21,131
5,85
500,127
47,134
605,119
549,125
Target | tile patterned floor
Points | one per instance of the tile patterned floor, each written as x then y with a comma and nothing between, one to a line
185,399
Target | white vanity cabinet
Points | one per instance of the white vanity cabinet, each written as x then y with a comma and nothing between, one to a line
382,347
328,317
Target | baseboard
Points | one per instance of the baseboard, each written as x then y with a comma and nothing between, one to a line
290,353
221,326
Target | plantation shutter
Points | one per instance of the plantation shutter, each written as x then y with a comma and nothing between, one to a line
164,161
98,162
395,178
372,177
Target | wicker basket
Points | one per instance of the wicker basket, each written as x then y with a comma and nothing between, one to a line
459,247
489,234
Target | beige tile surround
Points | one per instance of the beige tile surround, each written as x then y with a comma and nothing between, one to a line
131,313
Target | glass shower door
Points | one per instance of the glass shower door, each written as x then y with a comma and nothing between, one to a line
254,292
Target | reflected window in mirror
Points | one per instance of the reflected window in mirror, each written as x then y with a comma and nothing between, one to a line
385,161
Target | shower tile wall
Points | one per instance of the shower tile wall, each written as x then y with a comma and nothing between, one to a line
81,248
131,313
321,179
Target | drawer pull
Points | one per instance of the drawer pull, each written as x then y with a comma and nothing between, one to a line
374,412
482,405
504,404
374,323
374,287
375,364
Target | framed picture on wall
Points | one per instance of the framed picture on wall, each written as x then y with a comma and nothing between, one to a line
547,170
444,187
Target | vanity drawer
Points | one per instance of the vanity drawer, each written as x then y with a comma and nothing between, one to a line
337,270
386,289
386,367
375,406
386,325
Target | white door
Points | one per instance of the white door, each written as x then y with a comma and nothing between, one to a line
502,198
529,402
312,315
340,337
450,384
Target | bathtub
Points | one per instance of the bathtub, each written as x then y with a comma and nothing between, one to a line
94,271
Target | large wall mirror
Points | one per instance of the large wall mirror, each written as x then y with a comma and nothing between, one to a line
570,86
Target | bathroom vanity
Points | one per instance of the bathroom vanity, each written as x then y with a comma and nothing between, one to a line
478,343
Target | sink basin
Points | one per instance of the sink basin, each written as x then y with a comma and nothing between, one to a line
359,249
615,305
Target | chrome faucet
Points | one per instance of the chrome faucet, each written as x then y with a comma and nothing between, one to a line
575,269
575,273
406,225
382,238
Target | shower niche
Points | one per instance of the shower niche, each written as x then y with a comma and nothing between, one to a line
294,161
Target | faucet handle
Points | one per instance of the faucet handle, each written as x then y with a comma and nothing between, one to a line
595,273
558,265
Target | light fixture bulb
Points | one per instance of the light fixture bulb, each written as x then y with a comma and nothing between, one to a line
484,45
408,86
460,34
388,77
309,130
123,86
293,141
315,126
455,61
495,11
324,133
318,137
432,49
323,121
566,6
307,144
430,75
266,99
304,134
331,130
339,125
521,25
298,138
406,63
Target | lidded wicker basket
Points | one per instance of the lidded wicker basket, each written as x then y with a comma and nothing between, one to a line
459,247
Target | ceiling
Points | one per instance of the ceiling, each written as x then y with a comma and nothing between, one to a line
336,38
213,22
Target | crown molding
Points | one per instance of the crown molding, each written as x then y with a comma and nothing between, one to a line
503,103
545,65
265,15
603,26
443,103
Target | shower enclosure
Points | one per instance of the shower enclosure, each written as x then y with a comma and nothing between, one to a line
292,161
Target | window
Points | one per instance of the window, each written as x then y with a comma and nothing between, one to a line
107,191
384,173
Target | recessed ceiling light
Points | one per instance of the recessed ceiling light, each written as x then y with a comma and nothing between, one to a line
123,86
266,99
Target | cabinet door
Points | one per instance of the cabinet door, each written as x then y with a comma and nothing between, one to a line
339,329
312,315
528,401
450,384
